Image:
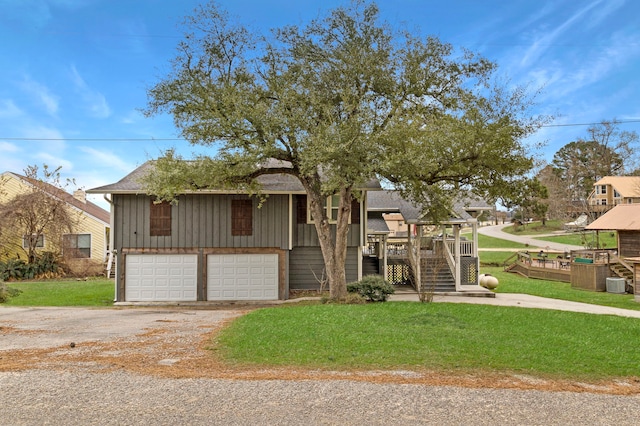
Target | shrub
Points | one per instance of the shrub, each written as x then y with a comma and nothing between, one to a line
17,269
372,287
7,292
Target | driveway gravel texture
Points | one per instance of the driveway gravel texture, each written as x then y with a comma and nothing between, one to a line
151,366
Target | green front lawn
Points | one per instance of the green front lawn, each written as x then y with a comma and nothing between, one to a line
605,239
436,336
535,228
485,241
94,292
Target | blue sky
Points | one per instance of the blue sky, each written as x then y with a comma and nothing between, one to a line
74,73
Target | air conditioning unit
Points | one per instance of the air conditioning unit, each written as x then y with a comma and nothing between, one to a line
616,285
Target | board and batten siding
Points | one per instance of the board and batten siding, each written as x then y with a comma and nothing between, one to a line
305,235
304,262
629,243
200,221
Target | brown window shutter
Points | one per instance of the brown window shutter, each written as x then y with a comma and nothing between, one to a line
160,219
301,208
355,211
241,217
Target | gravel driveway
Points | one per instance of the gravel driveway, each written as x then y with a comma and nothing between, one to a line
149,366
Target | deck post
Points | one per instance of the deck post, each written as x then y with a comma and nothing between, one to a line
474,232
456,250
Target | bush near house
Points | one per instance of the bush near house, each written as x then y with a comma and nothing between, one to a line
372,287
46,265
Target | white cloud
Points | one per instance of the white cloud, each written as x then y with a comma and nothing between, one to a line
93,100
6,147
42,95
546,41
8,109
108,159
54,161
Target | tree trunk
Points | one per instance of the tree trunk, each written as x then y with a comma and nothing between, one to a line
334,249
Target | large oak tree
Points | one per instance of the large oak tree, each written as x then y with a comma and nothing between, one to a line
337,102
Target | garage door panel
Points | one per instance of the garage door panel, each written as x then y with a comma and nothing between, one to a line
242,277
161,278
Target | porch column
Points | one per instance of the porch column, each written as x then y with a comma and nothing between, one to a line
456,254
474,233
384,255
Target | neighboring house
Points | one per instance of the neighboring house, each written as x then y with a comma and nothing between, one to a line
87,245
222,245
611,191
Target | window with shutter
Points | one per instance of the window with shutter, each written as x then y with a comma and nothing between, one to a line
160,219
241,217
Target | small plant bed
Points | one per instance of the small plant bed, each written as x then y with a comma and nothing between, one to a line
448,337
92,292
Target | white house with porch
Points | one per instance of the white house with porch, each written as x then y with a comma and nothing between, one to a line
449,262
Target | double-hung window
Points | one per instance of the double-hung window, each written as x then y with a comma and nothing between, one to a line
76,245
331,205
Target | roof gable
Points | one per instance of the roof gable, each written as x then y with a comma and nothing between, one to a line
87,207
391,201
623,217
627,186
271,183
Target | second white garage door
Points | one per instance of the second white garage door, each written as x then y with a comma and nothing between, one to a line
242,277
161,277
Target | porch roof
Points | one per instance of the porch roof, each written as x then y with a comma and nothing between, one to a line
623,217
391,201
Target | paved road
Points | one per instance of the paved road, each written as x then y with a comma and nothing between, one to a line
497,232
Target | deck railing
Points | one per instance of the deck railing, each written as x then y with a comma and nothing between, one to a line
398,249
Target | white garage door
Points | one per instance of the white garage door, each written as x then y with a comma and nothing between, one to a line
161,277
242,277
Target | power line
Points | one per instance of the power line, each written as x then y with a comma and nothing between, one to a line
95,139
590,124
185,140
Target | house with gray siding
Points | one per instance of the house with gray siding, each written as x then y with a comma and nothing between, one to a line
215,245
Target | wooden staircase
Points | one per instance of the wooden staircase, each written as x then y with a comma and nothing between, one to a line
436,275
370,265
623,271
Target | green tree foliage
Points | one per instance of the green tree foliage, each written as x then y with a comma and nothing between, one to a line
606,151
336,103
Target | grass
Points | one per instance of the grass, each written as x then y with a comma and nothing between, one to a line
485,241
494,258
514,283
95,292
606,239
535,228
442,336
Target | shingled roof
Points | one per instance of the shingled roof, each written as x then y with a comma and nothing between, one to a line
85,206
623,217
275,183
391,201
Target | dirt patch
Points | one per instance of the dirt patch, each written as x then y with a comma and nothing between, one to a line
175,345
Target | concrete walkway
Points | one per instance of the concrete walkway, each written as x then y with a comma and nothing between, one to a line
497,232
525,301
